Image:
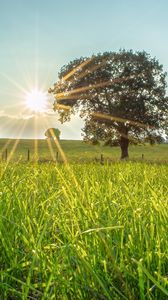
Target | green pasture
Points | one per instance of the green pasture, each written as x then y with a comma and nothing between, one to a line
76,151
84,231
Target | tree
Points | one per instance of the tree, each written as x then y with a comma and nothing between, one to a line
53,133
119,95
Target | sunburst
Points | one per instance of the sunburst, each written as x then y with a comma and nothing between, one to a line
36,100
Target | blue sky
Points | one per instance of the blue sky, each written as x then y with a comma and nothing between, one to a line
38,37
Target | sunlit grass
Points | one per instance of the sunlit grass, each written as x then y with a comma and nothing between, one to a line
105,238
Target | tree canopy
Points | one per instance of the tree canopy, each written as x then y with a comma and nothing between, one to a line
120,95
53,133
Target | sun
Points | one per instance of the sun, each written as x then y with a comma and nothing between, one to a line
36,100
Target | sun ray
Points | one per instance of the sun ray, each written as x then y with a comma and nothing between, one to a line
15,83
36,53
80,66
9,141
36,154
13,149
11,95
91,70
60,96
14,122
130,138
24,73
85,72
119,119
69,168
73,95
63,156
12,119
21,130
76,97
61,106
49,75
17,141
53,154
64,159
11,106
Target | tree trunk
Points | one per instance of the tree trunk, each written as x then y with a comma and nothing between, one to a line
124,142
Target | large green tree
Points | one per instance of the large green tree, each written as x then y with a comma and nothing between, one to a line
121,96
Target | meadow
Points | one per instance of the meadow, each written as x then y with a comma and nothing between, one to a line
76,151
84,231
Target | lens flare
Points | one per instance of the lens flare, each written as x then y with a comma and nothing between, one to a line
36,100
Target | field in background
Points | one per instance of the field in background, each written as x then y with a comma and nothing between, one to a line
83,231
77,151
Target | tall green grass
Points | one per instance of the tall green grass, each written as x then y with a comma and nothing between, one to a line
84,231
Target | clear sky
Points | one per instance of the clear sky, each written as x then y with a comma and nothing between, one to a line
37,37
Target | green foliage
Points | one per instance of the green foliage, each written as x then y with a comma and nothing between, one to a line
152,139
53,133
119,95
83,231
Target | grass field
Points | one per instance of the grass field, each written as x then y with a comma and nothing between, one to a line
84,231
77,151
